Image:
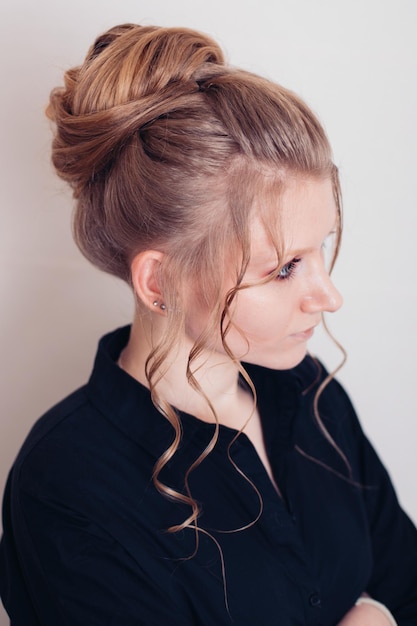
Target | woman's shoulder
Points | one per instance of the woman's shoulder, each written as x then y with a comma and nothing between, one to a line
76,459
53,420
66,431
95,436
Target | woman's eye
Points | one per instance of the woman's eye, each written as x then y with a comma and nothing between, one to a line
287,270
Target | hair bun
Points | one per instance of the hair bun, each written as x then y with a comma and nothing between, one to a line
131,76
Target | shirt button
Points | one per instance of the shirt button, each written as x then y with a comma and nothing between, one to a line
315,600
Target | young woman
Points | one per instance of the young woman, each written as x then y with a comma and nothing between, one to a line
210,472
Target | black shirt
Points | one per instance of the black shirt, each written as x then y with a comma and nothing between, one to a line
85,531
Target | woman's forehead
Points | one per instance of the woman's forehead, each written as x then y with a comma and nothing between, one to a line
305,213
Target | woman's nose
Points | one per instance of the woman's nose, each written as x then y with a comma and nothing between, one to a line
322,297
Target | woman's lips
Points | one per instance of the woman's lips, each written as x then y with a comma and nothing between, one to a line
304,335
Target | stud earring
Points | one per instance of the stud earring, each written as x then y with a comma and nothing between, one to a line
162,306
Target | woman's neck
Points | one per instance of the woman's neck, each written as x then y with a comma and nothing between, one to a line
216,376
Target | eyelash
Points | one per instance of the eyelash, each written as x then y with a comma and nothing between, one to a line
287,271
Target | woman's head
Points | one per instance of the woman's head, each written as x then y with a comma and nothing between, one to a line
167,147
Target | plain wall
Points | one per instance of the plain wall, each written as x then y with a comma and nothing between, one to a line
354,61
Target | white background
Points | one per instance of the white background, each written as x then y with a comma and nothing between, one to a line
354,61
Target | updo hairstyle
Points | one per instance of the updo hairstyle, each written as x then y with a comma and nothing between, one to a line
157,136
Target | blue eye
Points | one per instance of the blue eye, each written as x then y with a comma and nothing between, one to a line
287,270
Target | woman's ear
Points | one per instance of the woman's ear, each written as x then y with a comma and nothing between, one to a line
145,271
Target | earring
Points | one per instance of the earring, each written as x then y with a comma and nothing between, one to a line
162,306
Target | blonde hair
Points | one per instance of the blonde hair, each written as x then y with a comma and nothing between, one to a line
166,146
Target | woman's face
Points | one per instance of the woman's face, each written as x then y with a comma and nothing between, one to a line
278,317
